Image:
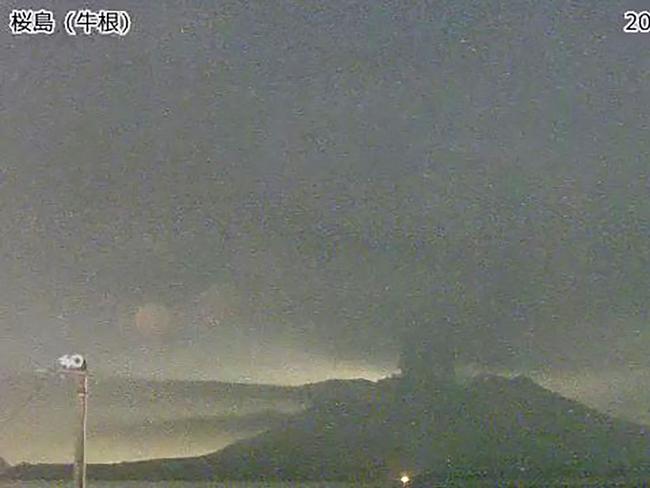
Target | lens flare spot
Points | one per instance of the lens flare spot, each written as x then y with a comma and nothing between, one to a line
152,319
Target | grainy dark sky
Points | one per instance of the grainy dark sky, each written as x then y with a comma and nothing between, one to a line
270,191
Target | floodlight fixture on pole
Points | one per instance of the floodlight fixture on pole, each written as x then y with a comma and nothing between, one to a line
76,365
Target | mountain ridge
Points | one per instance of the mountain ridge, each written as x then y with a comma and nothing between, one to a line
494,428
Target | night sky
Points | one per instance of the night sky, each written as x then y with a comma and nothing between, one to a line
281,191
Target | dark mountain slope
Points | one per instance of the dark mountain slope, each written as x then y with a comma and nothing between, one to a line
496,427
493,428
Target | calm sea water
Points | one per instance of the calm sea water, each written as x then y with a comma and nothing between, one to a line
172,484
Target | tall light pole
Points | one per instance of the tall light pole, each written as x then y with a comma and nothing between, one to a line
76,365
